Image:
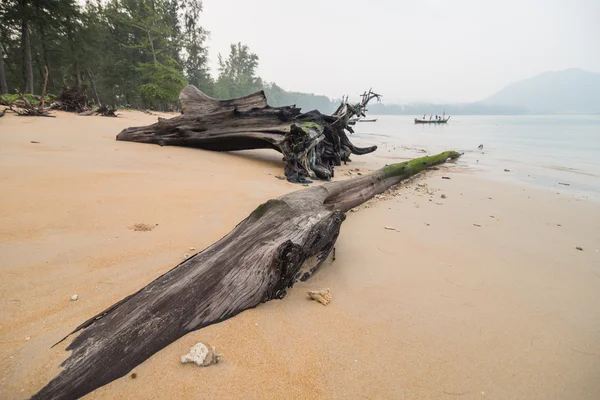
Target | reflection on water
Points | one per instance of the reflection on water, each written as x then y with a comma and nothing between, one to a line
543,150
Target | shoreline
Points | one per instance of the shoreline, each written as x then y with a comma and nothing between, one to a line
437,309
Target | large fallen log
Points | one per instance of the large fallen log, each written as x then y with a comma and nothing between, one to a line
312,143
280,242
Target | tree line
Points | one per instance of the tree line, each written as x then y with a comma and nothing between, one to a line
135,53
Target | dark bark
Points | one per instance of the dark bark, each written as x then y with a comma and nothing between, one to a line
3,85
27,60
281,242
312,144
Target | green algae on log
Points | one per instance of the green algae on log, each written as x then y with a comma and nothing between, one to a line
312,143
281,242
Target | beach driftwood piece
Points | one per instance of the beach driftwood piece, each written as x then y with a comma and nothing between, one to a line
312,143
27,109
281,242
104,111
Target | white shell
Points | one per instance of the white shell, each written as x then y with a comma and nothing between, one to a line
201,355
197,355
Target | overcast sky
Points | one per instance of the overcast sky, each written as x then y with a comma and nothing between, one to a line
408,50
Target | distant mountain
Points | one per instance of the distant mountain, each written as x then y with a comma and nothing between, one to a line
572,91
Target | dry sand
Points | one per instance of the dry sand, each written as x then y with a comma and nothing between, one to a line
440,308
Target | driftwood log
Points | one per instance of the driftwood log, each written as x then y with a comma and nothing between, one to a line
280,242
27,109
312,143
104,111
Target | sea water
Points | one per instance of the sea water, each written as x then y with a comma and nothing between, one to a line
560,152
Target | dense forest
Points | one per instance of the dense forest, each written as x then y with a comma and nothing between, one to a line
132,53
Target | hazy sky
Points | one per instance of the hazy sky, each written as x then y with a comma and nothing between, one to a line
459,50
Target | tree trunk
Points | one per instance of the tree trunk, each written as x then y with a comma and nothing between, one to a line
89,74
45,54
281,242
311,143
3,85
77,74
27,61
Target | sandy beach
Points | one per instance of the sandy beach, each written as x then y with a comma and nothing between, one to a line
481,293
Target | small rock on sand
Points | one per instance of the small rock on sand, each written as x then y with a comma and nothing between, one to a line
579,248
186,256
322,296
443,196
74,297
506,170
391,228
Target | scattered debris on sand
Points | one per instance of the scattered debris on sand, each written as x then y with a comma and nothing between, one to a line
143,227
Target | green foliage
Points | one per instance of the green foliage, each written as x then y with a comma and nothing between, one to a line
277,97
163,83
237,73
10,99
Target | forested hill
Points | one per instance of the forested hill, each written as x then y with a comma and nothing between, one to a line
138,53
566,92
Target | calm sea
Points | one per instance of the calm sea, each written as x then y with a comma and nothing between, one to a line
540,150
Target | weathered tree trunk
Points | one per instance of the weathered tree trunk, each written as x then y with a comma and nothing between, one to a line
311,143
78,83
45,53
281,242
89,74
3,85
27,61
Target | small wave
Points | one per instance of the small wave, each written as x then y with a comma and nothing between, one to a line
568,169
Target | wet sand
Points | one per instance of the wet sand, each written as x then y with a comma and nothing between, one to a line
481,294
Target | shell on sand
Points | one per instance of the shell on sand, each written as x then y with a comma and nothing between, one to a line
322,296
201,355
